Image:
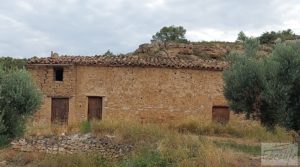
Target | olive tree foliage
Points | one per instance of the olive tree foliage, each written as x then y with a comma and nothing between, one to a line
19,98
170,34
244,80
282,93
266,88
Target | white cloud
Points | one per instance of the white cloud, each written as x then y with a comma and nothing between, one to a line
155,3
210,34
35,27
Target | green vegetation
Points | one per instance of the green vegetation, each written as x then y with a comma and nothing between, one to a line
8,63
171,34
19,97
271,37
266,88
242,36
190,141
147,158
108,53
85,127
246,148
244,129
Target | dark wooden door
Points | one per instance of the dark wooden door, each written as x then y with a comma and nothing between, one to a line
59,110
94,108
220,114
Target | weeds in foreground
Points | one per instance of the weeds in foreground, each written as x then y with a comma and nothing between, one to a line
236,128
245,148
177,143
164,145
146,158
75,160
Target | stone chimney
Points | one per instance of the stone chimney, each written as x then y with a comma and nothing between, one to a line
54,55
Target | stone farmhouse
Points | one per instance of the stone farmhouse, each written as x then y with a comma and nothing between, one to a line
80,88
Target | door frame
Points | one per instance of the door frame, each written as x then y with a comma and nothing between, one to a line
224,107
87,105
51,110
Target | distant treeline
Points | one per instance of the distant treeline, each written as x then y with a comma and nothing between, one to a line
8,63
271,37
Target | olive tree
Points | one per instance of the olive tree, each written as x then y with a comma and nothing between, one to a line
19,98
266,88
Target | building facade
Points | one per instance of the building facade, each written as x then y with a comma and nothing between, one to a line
79,88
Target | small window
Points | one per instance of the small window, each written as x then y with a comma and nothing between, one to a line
58,74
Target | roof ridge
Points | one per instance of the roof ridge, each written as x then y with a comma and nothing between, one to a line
132,60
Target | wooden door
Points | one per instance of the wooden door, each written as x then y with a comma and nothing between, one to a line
220,114
94,108
59,110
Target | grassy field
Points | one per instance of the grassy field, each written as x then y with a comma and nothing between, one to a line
163,140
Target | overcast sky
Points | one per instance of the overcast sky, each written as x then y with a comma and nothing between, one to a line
88,27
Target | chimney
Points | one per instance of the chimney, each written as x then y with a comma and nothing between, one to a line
54,55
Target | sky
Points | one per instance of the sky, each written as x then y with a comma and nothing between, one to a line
87,27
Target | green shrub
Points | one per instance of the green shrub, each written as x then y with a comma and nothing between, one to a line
4,140
85,127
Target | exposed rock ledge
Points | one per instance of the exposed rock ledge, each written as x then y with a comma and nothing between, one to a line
72,144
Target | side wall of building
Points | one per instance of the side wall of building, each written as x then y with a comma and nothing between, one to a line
129,89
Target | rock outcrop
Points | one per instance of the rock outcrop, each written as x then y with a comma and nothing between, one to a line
174,49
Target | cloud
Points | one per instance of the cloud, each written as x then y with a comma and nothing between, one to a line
87,27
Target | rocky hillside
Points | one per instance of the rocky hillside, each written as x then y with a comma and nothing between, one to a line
195,50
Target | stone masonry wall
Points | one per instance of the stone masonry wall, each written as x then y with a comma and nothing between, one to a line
44,78
130,89
71,144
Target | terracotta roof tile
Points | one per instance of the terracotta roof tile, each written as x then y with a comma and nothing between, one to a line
134,61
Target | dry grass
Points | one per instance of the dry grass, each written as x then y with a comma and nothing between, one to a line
36,129
169,139
175,148
237,127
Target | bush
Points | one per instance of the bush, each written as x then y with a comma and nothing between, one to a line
85,127
19,98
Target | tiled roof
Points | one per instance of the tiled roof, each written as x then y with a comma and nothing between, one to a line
131,61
